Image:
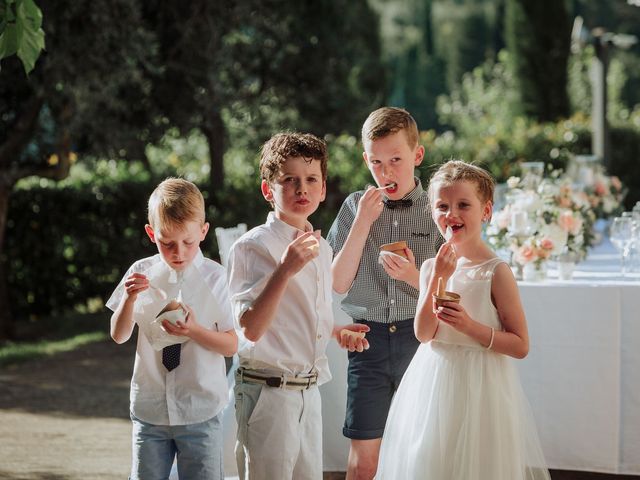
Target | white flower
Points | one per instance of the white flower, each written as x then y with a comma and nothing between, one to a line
512,182
556,234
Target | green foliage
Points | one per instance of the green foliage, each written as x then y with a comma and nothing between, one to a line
463,33
623,80
20,31
489,131
538,36
13,353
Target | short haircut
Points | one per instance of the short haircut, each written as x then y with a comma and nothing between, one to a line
386,121
282,146
173,203
456,171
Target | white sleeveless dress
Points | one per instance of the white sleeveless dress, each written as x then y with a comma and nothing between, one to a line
460,412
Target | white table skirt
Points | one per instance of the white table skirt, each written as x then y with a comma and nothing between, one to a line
582,374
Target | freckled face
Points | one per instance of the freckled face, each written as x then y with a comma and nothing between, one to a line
460,207
179,246
392,160
297,190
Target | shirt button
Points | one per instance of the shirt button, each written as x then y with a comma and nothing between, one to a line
392,329
319,336
392,301
395,223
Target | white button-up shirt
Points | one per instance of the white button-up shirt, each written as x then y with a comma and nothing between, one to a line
296,341
197,389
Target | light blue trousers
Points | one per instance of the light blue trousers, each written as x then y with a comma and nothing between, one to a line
197,447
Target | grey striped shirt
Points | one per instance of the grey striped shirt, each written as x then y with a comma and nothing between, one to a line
374,295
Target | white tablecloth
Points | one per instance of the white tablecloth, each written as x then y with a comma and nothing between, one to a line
582,374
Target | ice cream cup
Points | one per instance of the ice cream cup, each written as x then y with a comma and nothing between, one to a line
447,297
173,312
396,247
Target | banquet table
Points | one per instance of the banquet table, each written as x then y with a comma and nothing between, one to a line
582,374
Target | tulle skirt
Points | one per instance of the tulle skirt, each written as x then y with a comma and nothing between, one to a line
460,414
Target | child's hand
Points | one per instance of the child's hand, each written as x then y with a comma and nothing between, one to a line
370,206
182,328
400,268
454,314
299,252
445,262
352,337
134,284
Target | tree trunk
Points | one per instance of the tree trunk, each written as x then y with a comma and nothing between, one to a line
6,320
215,132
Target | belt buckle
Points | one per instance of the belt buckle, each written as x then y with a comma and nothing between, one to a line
275,382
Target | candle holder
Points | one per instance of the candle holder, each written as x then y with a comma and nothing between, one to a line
518,238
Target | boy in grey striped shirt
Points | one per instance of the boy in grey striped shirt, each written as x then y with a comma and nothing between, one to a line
382,290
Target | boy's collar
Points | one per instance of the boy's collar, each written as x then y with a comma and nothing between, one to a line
283,227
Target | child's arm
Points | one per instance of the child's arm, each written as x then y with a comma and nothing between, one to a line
257,319
225,343
513,340
345,265
443,265
122,319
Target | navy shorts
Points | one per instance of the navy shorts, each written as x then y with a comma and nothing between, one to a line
374,376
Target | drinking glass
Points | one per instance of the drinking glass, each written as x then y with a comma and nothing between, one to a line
621,236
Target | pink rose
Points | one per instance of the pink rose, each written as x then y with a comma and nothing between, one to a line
525,254
546,243
601,189
569,223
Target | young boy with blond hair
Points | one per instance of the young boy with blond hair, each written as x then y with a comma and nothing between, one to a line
381,287
280,285
179,386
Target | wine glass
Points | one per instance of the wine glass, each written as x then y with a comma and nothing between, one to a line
621,236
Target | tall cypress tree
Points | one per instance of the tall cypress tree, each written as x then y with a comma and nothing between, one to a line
538,37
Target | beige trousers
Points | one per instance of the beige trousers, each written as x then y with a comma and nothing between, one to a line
279,433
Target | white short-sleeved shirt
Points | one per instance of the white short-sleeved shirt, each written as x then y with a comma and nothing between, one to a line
197,389
297,339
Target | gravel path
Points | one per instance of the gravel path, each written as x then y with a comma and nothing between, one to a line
66,416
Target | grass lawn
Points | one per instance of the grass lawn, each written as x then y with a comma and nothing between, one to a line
51,335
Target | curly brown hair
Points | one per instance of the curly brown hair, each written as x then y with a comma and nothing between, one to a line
283,146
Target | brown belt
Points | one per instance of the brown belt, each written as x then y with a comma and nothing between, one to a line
282,381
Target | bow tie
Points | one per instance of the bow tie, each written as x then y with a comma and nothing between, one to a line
406,203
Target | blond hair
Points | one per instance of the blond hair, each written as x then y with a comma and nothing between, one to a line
173,203
282,146
458,171
386,121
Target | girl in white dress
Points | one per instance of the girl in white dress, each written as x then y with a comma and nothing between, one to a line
460,412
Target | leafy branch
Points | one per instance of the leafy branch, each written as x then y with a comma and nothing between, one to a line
21,31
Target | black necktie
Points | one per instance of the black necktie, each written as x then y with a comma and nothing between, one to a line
171,356
406,203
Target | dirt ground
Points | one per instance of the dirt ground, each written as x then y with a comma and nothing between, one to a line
65,417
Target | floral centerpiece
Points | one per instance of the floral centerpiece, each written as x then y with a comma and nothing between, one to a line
605,194
538,224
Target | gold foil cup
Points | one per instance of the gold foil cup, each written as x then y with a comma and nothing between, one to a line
396,247
447,297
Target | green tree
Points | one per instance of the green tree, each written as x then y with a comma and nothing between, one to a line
538,38
117,76
20,31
